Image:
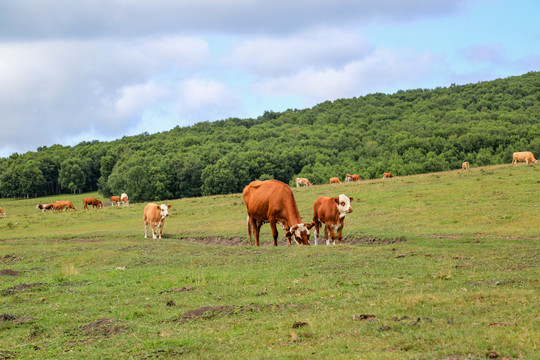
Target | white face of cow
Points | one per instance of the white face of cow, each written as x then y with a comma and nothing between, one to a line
164,211
300,233
344,205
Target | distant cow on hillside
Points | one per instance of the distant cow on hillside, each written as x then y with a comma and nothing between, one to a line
44,207
124,199
348,178
330,212
525,156
2,213
115,200
92,202
355,177
335,180
465,166
273,201
303,182
155,215
387,176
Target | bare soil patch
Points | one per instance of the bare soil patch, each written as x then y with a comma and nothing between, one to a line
9,272
16,320
207,312
9,259
236,240
22,287
104,327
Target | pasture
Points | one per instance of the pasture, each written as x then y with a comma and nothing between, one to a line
434,266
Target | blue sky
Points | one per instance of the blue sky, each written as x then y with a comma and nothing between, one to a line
102,69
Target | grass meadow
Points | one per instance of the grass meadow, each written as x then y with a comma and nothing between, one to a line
434,266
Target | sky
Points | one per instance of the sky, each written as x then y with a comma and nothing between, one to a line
73,71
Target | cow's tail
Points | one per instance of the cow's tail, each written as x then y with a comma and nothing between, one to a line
249,230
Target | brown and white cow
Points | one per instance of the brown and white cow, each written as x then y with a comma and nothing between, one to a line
63,204
348,178
334,180
526,156
2,213
330,212
115,200
387,176
303,182
124,199
44,207
155,215
92,202
273,201
465,166
355,177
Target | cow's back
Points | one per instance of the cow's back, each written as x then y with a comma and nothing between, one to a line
265,197
324,208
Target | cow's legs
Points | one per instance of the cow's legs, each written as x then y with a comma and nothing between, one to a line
145,230
274,231
332,235
154,232
160,227
256,225
326,236
316,232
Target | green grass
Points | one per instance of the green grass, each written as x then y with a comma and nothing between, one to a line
468,270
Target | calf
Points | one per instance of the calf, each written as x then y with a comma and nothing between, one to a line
273,201
44,207
115,200
155,215
2,213
465,166
302,181
330,212
124,199
62,205
387,176
334,180
348,178
526,156
92,202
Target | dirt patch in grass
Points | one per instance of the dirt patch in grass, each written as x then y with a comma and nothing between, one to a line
9,259
4,355
22,287
9,272
104,327
207,312
16,320
236,240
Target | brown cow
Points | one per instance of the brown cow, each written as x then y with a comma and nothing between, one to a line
115,200
93,202
63,204
465,166
2,212
124,199
155,215
387,176
273,201
302,181
44,207
526,156
348,178
330,212
334,180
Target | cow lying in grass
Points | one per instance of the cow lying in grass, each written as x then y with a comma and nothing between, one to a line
155,215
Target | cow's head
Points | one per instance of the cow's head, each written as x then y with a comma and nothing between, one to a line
300,233
343,204
164,209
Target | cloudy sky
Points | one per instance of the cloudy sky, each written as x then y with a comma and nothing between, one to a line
101,69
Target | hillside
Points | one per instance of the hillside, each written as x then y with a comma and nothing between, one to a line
410,132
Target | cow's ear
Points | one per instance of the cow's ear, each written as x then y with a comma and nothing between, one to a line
351,199
158,207
336,200
288,234
169,206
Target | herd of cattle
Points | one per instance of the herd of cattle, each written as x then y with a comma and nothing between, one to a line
270,201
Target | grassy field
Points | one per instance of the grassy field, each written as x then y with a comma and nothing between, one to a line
442,266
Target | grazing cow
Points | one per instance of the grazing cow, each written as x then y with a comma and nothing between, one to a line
355,177
115,200
330,212
273,201
93,202
465,166
2,213
387,176
124,199
155,215
348,178
334,180
302,181
62,205
526,156
44,207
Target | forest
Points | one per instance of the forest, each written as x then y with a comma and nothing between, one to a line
409,132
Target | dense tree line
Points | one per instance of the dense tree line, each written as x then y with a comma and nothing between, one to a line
409,132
